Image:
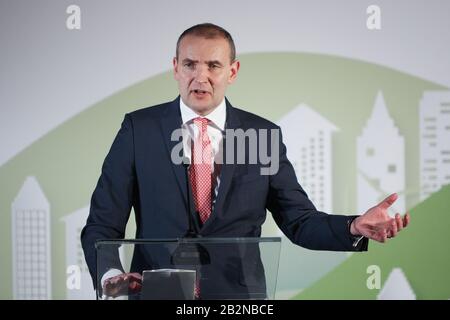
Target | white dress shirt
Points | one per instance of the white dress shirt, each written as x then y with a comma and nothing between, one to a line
215,129
216,126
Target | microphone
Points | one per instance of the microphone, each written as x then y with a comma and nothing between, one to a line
191,233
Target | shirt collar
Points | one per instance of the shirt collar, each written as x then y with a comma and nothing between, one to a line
217,116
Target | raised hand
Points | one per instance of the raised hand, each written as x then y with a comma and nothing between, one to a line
376,224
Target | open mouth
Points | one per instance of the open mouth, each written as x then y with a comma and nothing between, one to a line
200,93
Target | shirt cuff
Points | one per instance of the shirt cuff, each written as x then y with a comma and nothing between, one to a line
357,240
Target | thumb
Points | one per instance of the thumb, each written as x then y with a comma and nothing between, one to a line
386,203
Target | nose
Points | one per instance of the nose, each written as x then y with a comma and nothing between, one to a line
201,74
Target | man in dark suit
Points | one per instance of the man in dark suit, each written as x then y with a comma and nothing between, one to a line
142,170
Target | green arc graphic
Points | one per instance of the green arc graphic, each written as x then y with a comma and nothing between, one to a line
67,160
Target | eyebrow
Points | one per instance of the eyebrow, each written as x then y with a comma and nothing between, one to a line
187,60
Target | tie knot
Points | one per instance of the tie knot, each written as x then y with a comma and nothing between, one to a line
201,123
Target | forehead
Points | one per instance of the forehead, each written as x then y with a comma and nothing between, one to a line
202,49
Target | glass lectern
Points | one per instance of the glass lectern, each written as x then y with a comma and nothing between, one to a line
188,268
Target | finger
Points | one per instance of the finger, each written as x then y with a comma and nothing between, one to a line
399,221
406,220
136,274
394,230
380,236
135,287
386,203
135,277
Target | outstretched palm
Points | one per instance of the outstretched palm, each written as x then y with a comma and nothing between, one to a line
376,224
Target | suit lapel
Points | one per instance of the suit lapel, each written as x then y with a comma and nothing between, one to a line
171,121
226,174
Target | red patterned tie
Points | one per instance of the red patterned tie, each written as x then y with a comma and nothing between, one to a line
200,176
200,170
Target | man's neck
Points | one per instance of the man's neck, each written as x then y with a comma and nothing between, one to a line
217,115
203,113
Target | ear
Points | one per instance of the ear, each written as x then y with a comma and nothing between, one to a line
234,71
175,67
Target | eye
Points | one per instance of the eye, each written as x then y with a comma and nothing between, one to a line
189,65
214,66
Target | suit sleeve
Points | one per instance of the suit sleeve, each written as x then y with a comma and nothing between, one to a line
298,218
111,202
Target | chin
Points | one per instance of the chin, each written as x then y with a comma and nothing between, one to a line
201,108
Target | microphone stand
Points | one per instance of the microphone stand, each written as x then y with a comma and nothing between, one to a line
191,233
188,252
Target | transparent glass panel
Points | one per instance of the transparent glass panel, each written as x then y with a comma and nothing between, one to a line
188,268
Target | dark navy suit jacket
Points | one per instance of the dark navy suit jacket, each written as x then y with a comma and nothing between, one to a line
138,172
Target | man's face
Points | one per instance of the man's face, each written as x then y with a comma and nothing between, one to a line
204,71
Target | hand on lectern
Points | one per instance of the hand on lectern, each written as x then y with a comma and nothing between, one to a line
123,284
